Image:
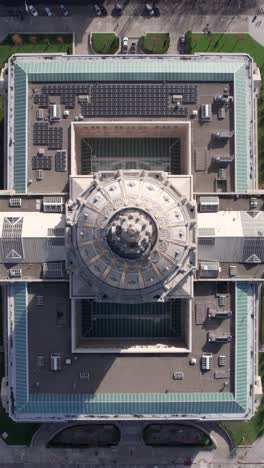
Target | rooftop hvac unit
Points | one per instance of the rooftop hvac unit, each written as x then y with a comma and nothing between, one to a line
178,375
206,112
253,203
15,272
224,159
40,114
176,98
209,269
219,338
223,134
209,204
53,204
40,361
224,99
55,362
221,173
206,361
39,174
84,98
222,360
15,202
222,299
40,300
54,112
221,113
218,314
232,270
84,375
53,270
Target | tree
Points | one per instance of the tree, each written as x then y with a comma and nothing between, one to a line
17,39
60,39
32,39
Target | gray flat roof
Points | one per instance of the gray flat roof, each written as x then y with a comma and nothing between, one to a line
126,373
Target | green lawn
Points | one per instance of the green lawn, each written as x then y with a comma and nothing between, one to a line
42,43
155,43
105,43
237,43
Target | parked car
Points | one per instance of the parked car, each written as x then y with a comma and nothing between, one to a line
64,10
125,45
97,9
133,48
117,10
103,10
32,10
149,9
156,10
182,44
48,11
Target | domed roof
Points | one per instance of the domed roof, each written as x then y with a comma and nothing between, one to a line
132,235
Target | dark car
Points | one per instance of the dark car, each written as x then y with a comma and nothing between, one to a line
149,10
182,44
117,10
133,48
103,10
156,10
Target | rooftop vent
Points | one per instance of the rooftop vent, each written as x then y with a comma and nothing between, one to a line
223,159
40,114
53,270
53,204
232,270
15,202
206,112
209,204
222,299
253,203
15,272
40,300
209,269
223,134
221,360
178,375
55,362
221,113
40,361
206,361
54,112
39,174
84,375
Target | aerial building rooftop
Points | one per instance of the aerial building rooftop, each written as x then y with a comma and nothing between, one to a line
131,233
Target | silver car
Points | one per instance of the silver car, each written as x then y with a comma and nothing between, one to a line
32,10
